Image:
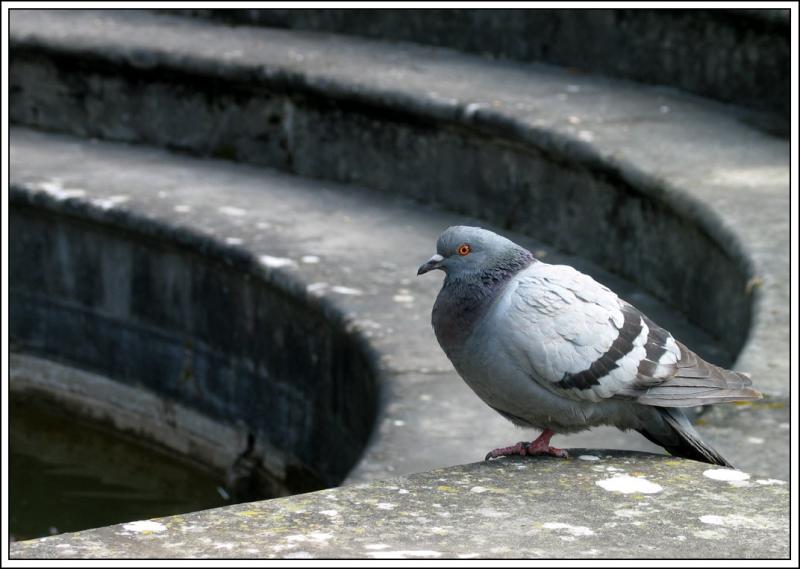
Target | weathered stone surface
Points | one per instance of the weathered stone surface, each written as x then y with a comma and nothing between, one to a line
739,56
596,504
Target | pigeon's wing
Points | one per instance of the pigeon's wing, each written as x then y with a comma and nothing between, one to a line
579,339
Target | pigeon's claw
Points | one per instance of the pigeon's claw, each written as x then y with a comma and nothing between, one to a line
521,449
540,446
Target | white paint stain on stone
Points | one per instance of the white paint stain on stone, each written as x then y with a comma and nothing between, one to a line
731,521
402,491
770,482
589,457
275,262
309,259
386,506
478,489
576,531
629,485
227,546
755,440
144,525
473,108
234,211
399,423
110,201
316,288
346,290
56,189
403,298
329,513
726,474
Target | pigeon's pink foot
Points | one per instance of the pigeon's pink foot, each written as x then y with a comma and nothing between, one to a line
540,446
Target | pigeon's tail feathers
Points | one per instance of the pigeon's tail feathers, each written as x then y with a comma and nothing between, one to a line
675,433
697,382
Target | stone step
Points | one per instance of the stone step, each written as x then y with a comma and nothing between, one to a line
596,505
739,56
668,181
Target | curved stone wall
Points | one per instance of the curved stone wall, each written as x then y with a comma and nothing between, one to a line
181,318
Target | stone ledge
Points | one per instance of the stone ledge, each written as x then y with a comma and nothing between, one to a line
596,504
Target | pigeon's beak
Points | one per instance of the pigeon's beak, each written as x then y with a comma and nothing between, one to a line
434,262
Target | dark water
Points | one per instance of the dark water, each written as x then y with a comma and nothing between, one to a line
68,475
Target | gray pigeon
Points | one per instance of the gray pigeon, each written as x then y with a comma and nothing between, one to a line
551,348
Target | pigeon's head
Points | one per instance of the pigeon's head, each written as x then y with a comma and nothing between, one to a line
462,251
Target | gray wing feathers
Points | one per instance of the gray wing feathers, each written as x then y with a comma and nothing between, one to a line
579,339
697,382
652,369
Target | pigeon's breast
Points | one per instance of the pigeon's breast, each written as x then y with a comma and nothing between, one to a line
459,310
452,320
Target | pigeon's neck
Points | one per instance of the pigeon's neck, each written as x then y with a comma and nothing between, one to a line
464,300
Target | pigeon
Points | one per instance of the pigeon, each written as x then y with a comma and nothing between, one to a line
550,348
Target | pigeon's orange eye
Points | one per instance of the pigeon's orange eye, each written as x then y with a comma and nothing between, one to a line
464,250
